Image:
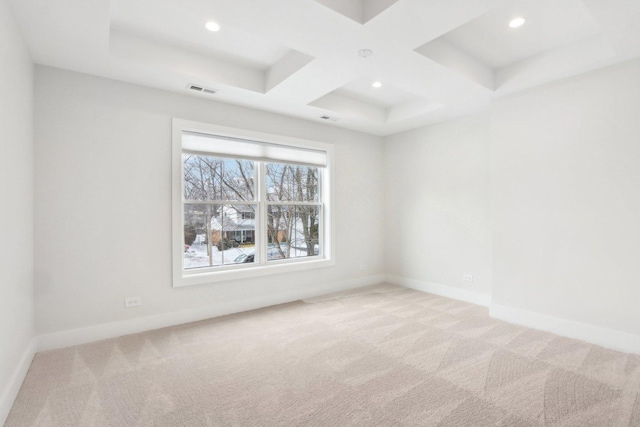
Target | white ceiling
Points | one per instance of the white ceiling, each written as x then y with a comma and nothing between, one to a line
550,24
437,59
386,96
231,45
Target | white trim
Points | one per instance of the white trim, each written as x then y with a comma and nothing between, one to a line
112,330
608,338
8,396
442,290
326,258
239,271
615,340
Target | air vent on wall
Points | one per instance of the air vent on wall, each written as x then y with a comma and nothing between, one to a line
202,89
333,119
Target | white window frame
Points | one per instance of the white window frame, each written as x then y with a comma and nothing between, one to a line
218,274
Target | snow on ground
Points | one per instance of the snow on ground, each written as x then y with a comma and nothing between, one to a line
196,256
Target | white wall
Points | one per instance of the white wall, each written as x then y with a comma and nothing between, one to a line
16,214
566,199
437,204
103,203
539,199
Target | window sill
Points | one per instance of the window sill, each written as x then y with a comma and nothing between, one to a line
183,279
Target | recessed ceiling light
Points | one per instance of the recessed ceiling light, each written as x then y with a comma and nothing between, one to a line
517,22
365,53
376,84
213,26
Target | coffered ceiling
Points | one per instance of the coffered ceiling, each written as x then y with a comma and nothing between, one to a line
435,59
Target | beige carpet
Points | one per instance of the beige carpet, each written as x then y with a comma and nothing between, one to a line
379,357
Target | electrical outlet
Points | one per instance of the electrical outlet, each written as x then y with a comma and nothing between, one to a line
132,302
467,277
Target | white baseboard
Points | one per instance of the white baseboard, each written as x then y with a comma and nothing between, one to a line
442,290
116,329
615,340
12,387
608,338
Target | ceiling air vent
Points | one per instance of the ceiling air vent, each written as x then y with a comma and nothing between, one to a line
333,119
202,89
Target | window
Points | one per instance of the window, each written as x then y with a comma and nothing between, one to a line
247,204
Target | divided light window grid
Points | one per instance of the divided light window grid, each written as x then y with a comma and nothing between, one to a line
248,203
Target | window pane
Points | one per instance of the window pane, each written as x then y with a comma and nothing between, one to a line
291,183
216,178
292,231
236,243
199,251
217,235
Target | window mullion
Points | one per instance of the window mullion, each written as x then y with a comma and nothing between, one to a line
322,214
261,232
219,202
295,203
